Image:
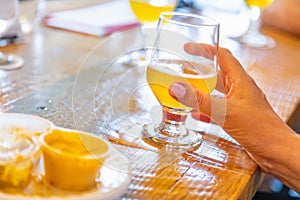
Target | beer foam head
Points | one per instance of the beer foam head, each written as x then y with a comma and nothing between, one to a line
185,69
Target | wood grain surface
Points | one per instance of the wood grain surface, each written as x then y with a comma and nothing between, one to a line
68,79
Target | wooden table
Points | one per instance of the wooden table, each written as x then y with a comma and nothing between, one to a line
70,82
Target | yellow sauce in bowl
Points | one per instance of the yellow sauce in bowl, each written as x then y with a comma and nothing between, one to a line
72,159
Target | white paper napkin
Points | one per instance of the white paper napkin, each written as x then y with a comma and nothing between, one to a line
101,19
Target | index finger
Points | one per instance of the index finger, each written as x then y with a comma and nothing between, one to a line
228,63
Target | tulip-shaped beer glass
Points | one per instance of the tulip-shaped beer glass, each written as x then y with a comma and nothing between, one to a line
171,62
253,37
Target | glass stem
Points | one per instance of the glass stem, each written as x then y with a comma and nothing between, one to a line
143,34
173,123
255,20
143,31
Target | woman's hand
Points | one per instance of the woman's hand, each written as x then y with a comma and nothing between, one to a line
244,107
246,115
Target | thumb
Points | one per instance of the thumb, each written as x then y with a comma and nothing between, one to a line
191,97
211,106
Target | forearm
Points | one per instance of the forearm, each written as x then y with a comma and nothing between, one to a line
280,155
247,116
283,14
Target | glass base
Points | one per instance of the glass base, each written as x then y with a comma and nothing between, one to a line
10,62
257,41
190,139
137,58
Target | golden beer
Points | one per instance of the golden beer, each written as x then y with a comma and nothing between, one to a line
146,12
259,3
163,74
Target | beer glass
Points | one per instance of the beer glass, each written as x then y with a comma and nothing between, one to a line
170,63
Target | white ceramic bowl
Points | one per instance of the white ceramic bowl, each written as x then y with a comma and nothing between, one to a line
24,124
19,146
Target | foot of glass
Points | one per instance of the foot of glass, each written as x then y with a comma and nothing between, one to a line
158,135
136,58
257,41
10,62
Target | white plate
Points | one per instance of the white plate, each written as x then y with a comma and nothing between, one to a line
113,183
24,124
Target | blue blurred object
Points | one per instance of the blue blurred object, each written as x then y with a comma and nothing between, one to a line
185,6
276,185
294,194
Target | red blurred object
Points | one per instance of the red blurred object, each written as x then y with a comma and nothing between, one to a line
201,117
168,116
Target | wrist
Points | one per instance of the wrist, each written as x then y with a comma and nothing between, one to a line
277,151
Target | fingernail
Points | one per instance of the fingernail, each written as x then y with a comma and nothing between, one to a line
177,90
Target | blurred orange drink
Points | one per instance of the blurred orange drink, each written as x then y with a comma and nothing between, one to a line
149,12
259,3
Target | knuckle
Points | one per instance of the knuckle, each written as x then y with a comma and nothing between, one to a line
225,51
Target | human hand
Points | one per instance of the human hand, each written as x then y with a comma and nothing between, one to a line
246,115
244,112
